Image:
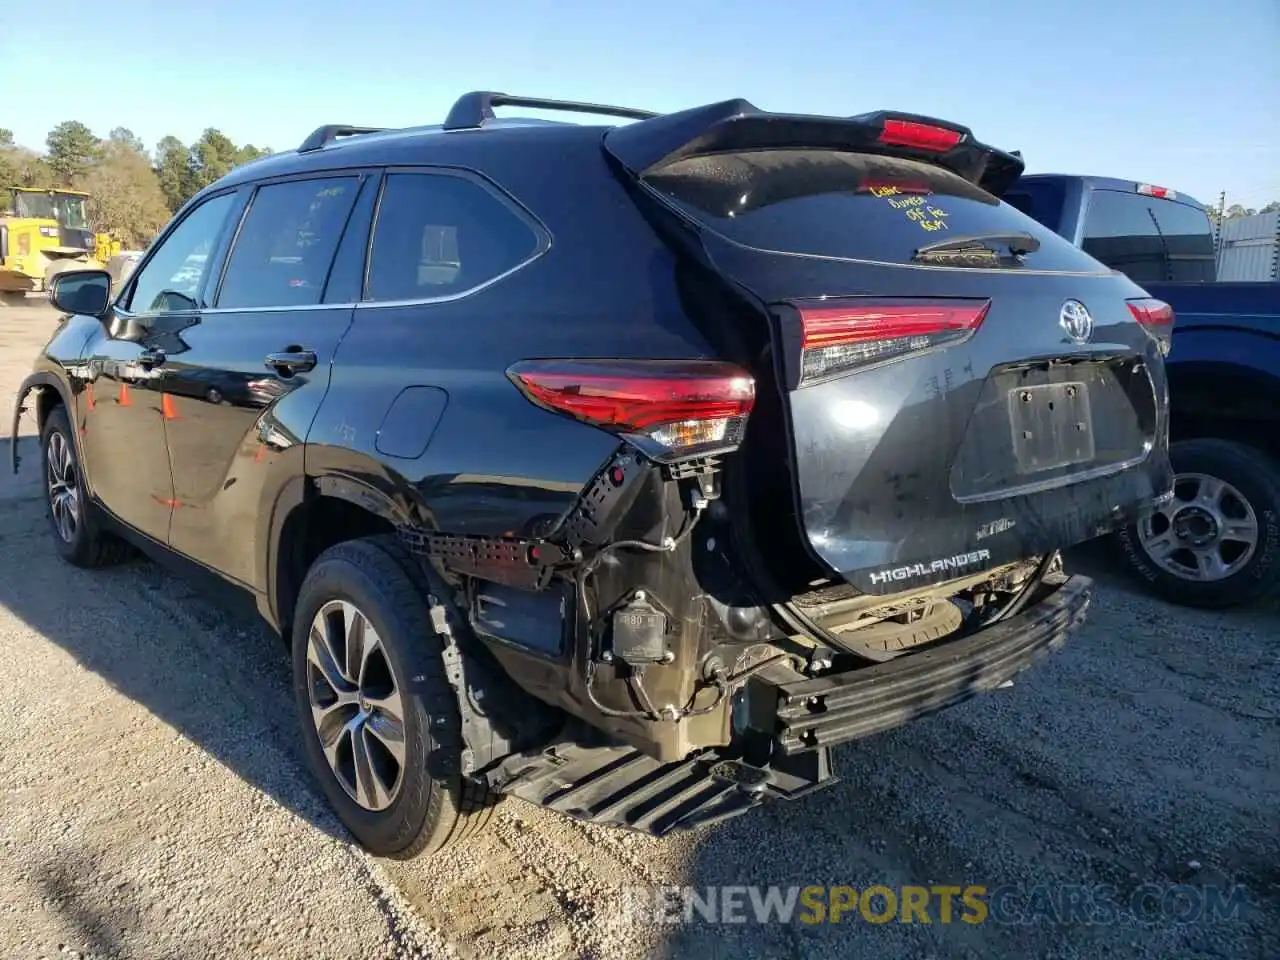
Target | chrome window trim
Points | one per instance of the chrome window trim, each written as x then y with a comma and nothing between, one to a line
283,309
461,294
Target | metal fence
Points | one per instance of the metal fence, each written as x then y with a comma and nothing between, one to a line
1249,248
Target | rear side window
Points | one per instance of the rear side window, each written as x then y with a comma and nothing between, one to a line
282,254
852,206
1039,199
441,235
1148,238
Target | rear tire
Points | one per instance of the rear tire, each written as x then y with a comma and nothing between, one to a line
1220,486
392,676
75,522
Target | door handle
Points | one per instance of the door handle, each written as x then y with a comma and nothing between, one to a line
151,357
289,362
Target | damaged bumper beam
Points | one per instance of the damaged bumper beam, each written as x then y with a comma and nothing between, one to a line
830,710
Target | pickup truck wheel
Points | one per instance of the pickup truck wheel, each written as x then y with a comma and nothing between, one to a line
1217,543
380,721
77,533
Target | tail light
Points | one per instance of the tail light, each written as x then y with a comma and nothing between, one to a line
1156,318
1161,193
670,409
844,334
921,136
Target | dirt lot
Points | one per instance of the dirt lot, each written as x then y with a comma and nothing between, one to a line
153,801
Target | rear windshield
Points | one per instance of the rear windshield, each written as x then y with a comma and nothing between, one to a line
1148,238
853,206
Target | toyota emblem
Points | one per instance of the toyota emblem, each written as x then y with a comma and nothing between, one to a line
1076,321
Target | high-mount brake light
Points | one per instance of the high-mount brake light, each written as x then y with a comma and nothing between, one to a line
1156,318
670,409
840,335
1161,193
921,136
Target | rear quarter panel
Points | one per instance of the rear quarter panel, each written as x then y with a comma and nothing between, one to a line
495,464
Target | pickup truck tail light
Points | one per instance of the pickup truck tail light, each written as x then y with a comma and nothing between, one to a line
841,335
670,409
1156,318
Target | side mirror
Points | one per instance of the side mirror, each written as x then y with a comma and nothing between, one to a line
86,292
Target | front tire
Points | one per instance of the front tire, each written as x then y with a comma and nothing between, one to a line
77,532
381,727
1217,544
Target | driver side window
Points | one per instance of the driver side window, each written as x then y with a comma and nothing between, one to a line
170,280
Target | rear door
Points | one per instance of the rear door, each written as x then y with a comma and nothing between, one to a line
244,386
962,386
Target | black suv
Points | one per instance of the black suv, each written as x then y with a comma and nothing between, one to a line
625,469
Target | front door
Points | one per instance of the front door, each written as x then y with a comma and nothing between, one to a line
243,392
121,404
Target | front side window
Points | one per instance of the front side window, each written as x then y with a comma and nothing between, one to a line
70,210
439,235
285,247
170,281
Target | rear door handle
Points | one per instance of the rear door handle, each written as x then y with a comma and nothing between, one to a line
289,362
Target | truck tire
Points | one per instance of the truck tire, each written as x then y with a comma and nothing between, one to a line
77,529
1217,544
381,727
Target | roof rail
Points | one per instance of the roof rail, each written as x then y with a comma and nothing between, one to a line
473,110
330,132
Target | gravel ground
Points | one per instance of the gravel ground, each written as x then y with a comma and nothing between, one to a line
154,804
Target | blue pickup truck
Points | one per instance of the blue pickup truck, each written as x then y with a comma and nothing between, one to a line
1217,543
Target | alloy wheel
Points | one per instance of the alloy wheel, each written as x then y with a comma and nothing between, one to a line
1207,532
64,492
356,705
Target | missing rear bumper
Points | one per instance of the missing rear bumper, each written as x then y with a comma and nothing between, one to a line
836,709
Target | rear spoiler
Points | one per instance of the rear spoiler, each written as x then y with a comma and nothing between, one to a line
734,125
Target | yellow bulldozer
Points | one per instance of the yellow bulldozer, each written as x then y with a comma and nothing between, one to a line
42,233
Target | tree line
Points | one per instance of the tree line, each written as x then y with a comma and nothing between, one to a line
132,191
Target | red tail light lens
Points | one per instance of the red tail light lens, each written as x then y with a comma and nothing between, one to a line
669,408
1151,312
1161,193
843,334
1156,318
921,136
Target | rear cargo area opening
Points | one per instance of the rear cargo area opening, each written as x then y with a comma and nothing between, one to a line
936,410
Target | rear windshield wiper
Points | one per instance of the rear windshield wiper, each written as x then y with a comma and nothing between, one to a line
1016,243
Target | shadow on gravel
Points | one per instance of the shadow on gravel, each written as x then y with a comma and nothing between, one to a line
1143,756
99,921
223,684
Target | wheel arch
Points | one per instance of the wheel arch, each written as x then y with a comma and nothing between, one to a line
1225,400
312,514
50,392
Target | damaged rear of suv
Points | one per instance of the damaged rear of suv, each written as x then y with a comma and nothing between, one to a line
721,438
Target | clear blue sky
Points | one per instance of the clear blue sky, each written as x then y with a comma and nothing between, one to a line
1184,93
